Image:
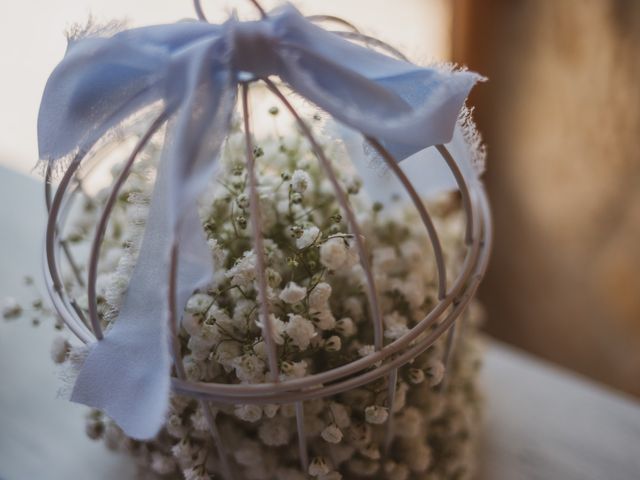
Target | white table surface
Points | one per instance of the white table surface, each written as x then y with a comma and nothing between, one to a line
542,423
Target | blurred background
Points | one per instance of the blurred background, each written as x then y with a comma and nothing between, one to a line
560,116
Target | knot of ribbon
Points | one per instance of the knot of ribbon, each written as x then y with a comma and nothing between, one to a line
194,69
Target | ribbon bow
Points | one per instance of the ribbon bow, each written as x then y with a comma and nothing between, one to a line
194,69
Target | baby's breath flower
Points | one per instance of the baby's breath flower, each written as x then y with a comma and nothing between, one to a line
198,303
300,181
308,251
366,350
293,293
319,466
435,371
319,296
244,270
274,432
300,331
333,344
376,414
199,420
10,308
324,319
371,452
345,327
270,410
162,464
196,473
294,369
59,349
248,413
249,368
309,236
332,434
333,253
416,376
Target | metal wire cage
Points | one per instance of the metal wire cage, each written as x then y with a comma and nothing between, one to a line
387,358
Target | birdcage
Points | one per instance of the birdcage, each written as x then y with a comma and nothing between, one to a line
387,357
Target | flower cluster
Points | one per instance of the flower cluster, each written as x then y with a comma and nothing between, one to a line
318,307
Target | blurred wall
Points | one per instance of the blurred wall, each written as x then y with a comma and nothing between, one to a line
561,117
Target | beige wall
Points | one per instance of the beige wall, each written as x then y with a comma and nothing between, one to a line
561,115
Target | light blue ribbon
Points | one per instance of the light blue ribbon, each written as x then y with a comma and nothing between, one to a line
193,68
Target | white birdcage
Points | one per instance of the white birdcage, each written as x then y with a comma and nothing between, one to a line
386,359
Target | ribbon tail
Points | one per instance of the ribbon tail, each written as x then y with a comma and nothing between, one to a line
126,374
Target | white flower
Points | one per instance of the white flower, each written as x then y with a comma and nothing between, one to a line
300,181
270,410
162,464
293,293
319,296
366,350
191,323
308,237
198,303
243,311
396,331
370,451
345,327
195,473
59,349
199,347
219,254
435,372
294,369
183,451
10,308
227,352
319,466
324,319
332,434
248,413
416,376
249,368
243,272
376,414
274,432
333,344
333,253
300,331
192,367
199,420
360,434
277,329
395,319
